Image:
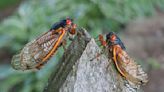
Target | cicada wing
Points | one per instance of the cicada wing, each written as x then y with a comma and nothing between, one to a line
34,51
130,69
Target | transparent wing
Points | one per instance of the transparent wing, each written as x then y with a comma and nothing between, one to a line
130,69
35,51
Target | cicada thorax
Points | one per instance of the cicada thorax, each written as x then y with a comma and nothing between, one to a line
127,67
38,51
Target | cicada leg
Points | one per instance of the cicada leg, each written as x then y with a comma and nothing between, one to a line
39,66
63,44
102,44
98,54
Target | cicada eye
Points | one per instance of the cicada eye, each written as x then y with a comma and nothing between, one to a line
113,38
68,22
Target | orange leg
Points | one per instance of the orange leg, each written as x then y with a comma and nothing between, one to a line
103,43
64,43
39,66
98,54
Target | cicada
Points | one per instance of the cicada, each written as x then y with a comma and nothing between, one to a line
125,65
37,52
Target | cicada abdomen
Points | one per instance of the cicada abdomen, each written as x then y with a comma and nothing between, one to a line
37,52
125,65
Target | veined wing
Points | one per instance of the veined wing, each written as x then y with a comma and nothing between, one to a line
38,51
129,68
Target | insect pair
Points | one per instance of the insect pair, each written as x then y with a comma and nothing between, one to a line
37,52
125,65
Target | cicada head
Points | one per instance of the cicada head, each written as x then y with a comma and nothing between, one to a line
113,39
72,31
65,23
71,28
68,21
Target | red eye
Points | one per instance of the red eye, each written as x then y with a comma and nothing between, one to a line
113,37
68,22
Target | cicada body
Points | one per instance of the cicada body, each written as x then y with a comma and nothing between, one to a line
125,65
37,52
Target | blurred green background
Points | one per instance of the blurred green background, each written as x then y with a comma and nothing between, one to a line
22,21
